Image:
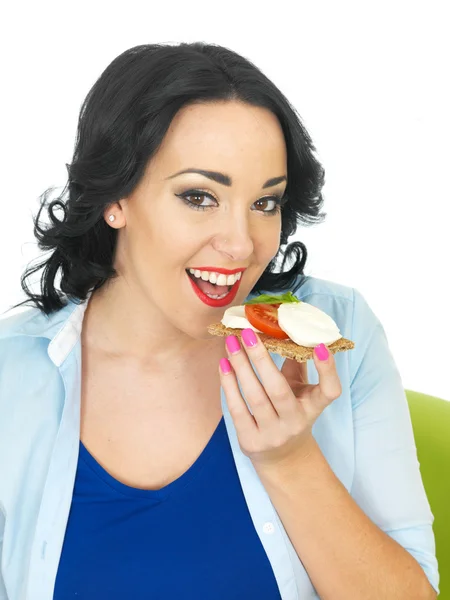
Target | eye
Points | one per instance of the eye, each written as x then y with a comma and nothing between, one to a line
276,208
195,194
278,200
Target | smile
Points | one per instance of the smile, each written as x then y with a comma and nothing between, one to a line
208,299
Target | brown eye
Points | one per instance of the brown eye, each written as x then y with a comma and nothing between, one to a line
196,194
275,199
185,196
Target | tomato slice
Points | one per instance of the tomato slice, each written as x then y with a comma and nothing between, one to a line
264,317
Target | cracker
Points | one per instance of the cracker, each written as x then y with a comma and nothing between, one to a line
286,348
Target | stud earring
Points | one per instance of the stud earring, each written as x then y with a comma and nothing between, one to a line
111,217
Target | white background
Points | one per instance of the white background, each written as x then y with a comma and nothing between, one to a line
370,81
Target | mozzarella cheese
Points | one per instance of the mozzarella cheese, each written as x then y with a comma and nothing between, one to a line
305,324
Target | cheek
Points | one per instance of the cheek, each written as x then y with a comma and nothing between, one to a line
267,243
174,246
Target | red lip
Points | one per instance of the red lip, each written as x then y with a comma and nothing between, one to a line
218,270
210,301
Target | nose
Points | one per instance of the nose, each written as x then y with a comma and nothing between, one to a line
236,242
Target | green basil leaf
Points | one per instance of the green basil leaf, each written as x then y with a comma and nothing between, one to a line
273,299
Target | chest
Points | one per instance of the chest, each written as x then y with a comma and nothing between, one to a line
145,432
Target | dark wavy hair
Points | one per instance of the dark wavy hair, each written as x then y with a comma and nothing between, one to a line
122,123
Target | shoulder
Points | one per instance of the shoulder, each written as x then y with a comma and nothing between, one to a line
23,351
30,384
343,303
12,324
31,324
309,285
13,339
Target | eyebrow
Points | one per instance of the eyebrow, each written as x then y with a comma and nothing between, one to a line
226,179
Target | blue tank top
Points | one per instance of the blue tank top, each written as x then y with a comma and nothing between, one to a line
194,539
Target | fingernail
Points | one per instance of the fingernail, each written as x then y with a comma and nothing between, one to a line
232,344
225,365
249,337
321,352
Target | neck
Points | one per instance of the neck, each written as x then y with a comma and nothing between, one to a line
111,329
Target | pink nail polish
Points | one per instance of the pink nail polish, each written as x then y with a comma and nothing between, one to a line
233,344
249,337
321,352
225,365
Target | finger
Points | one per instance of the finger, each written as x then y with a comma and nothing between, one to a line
329,387
254,392
275,384
242,418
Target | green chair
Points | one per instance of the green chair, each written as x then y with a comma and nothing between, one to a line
430,418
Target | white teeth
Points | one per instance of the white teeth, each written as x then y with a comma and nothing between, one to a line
222,279
216,278
216,297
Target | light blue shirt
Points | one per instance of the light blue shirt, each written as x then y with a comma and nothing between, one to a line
366,436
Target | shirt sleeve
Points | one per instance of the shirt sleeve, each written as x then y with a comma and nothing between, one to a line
387,483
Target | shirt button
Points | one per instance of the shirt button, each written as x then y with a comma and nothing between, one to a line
268,527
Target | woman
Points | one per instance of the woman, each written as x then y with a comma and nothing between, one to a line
131,466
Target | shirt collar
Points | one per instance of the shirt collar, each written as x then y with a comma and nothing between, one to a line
66,333
62,328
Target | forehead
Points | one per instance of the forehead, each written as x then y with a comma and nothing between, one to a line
223,134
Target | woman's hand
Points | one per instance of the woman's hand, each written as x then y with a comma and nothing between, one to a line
284,408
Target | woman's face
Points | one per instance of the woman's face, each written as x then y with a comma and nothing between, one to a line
161,235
